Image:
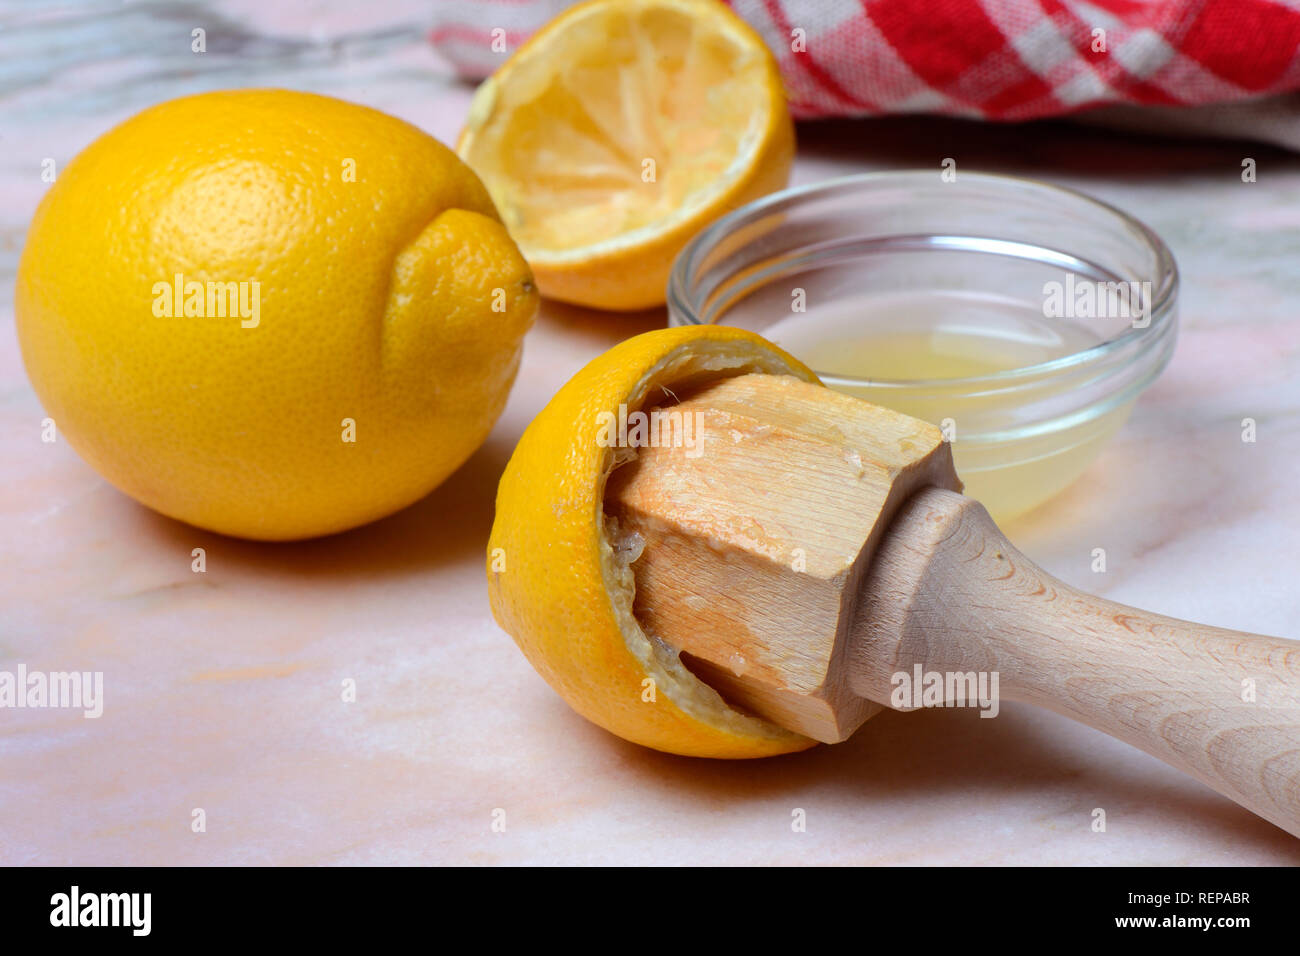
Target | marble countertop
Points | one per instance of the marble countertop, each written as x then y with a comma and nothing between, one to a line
222,691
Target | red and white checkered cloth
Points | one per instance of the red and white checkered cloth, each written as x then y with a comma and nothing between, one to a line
989,59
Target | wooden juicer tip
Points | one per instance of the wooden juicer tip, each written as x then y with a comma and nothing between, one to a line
811,554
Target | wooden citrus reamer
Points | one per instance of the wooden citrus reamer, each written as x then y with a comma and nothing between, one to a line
809,546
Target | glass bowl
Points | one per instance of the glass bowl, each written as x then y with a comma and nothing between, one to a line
1022,318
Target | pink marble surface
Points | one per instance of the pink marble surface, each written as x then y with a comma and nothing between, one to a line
222,691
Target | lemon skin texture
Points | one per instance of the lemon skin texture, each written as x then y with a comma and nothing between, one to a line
389,296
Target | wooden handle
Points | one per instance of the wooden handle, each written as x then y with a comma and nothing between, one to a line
1221,705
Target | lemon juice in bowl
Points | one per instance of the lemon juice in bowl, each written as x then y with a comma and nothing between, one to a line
943,300
942,356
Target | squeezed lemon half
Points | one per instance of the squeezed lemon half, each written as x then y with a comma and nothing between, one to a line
559,579
621,129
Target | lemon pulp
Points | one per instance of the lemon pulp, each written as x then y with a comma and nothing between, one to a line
643,118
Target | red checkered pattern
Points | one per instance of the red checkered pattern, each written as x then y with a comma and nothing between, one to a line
990,59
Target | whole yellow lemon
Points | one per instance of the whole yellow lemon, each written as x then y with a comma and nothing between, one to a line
271,314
